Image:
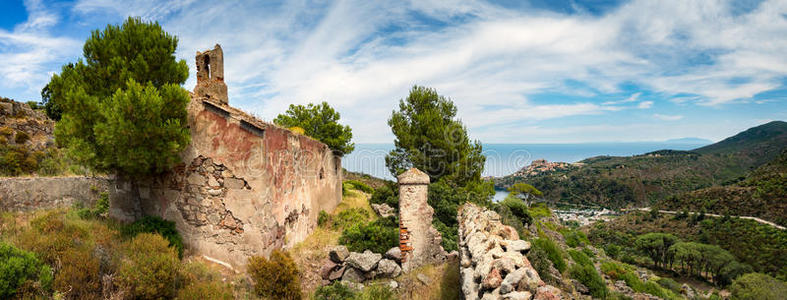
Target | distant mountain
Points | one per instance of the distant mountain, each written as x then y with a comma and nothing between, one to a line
689,140
645,179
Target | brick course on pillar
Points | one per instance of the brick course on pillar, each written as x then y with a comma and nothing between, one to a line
419,242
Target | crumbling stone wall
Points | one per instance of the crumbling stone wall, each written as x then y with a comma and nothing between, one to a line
210,75
419,242
245,187
493,264
32,193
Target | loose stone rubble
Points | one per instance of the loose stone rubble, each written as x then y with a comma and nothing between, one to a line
358,267
493,264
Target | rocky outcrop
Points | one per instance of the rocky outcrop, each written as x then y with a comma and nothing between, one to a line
493,264
354,267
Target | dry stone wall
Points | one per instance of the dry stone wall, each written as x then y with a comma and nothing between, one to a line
32,193
493,264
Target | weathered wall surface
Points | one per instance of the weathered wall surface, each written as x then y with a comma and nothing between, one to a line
492,260
32,193
246,187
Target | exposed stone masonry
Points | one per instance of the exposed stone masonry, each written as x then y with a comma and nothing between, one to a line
419,242
493,264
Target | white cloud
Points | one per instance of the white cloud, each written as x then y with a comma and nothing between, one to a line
362,56
645,104
667,117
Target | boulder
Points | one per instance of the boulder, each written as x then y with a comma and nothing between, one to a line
492,295
518,246
580,288
339,253
326,269
352,275
492,280
547,292
387,268
469,285
337,273
504,264
393,284
530,281
511,282
518,296
423,279
384,210
394,254
365,261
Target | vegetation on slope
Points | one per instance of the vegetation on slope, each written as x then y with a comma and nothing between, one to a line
760,194
644,179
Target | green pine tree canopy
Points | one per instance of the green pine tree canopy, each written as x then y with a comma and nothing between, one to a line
429,138
320,122
123,107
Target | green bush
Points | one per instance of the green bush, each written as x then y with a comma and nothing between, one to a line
589,252
150,267
518,208
347,190
350,217
100,209
376,292
580,257
588,276
324,219
18,269
378,236
539,259
575,238
612,250
360,186
334,291
152,224
450,235
507,217
277,278
758,286
21,137
386,194
553,252
669,284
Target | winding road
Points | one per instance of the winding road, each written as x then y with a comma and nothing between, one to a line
711,215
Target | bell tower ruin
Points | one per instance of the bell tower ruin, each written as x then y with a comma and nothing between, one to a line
210,75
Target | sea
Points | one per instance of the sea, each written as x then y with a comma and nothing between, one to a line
504,159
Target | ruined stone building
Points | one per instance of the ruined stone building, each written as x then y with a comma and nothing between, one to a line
245,186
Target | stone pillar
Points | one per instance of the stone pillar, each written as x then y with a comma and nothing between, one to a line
210,75
419,242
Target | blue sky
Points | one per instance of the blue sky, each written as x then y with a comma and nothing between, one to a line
520,72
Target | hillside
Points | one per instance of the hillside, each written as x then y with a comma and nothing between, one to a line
760,194
641,180
26,142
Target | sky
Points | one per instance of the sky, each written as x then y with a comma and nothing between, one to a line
541,71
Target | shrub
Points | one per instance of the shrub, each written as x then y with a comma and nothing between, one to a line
19,268
323,219
275,278
377,236
350,217
539,210
518,208
589,252
575,238
376,292
450,235
6,131
360,186
670,284
588,276
21,137
386,194
150,267
79,274
334,291
758,286
553,252
507,217
540,261
580,257
151,224
100,209
612,250
206,290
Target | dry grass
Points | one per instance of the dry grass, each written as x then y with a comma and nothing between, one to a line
312,253
444,283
